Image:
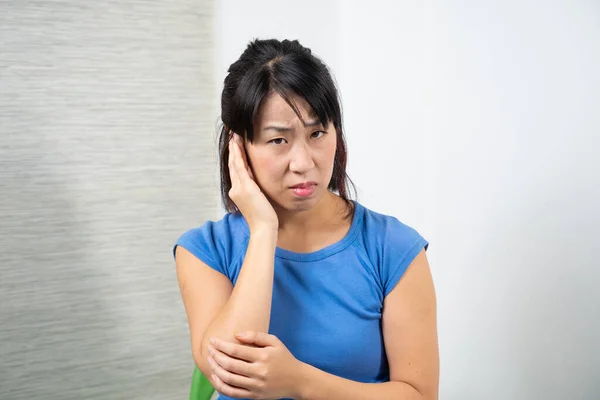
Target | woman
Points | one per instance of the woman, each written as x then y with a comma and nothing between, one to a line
298,291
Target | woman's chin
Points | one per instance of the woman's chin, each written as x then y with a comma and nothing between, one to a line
296,203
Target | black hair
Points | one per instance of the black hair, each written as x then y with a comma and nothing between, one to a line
289,69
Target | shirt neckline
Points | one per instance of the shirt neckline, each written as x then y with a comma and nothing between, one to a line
332,248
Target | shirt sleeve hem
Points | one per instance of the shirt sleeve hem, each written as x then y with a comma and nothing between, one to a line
397,272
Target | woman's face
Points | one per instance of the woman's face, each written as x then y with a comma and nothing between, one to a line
292,162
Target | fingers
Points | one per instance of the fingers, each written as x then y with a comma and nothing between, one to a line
229,377
230,364
239,159
240,142
226,389
242,146
230,162
239,351
261,339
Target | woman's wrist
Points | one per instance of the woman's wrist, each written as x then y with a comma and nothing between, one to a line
302,383
264,233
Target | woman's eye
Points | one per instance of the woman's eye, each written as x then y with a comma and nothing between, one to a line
318,134
277,141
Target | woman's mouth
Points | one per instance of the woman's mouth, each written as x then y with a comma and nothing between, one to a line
304,189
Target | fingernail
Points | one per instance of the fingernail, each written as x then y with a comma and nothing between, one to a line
210,361
212,340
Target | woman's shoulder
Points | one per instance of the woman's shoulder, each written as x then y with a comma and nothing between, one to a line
216,240
231,225
386,228
390,245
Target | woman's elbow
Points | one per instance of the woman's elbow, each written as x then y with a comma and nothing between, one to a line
201,361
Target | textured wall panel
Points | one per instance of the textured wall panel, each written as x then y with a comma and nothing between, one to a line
107,120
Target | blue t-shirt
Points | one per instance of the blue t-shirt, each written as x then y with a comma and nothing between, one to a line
326,305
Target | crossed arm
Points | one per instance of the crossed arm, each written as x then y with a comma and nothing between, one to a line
260,366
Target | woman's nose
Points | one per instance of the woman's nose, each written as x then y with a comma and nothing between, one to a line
301,159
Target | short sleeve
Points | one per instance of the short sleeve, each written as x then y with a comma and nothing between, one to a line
219,244
400,247
202,242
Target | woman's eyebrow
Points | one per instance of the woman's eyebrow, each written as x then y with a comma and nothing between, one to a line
283,128
277,128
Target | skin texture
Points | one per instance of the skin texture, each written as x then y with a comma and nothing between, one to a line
286,151
246,194
289,149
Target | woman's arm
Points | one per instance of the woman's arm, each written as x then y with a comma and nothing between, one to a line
217,309
319,385
409,326
249,306
262,367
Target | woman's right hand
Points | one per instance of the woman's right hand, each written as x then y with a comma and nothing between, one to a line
246,193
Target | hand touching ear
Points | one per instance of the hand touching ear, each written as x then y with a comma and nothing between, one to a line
245,193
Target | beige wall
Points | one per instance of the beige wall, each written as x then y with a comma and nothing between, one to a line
107,119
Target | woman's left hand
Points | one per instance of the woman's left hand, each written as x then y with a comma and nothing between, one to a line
259,368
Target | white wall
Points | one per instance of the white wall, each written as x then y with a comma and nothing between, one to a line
476,122
515,105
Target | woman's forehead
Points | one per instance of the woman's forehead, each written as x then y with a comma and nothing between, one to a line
275,108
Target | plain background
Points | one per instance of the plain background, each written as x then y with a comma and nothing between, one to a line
478,123
104,162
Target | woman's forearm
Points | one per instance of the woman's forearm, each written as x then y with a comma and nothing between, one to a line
249,306
315,384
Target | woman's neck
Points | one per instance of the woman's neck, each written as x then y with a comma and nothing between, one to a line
331,209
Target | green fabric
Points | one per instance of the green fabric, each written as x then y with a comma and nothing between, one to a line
201,386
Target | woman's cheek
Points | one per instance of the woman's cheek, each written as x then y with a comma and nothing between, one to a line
330,155
264,173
